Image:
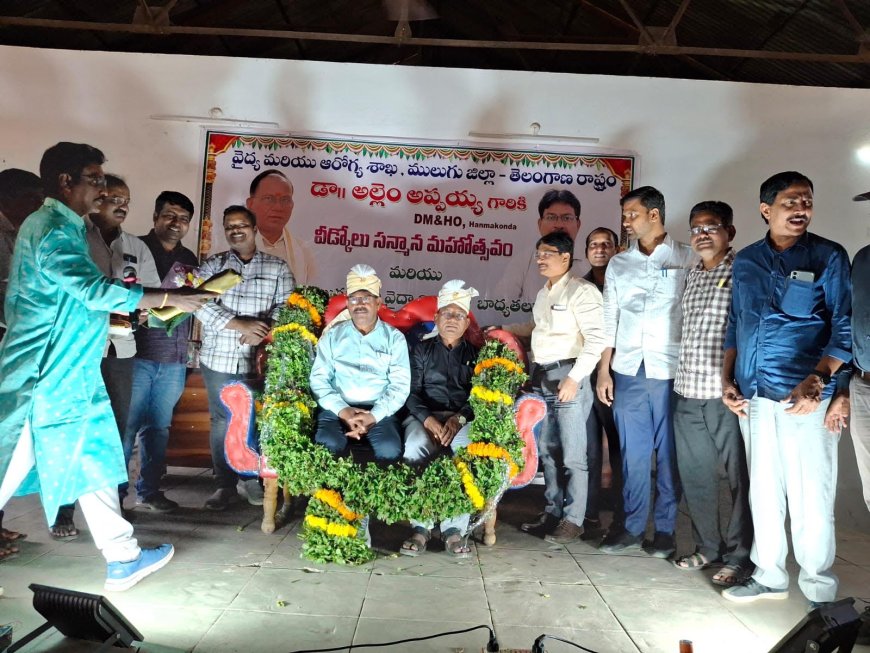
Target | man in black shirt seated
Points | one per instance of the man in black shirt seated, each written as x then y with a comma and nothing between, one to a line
439,413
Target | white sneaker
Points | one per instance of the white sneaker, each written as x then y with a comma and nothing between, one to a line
251,490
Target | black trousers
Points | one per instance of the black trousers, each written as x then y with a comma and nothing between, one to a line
601,419
707,434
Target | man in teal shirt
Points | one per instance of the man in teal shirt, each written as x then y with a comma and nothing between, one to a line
57,432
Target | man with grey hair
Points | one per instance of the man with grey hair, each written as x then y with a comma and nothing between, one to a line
439,412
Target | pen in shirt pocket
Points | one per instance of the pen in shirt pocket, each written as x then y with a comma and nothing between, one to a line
723,283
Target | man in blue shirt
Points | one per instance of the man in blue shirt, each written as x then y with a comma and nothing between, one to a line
788,333
361,376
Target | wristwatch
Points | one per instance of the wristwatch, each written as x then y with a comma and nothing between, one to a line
461,419
824,378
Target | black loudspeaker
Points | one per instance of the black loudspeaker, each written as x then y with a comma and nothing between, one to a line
84,616
832,627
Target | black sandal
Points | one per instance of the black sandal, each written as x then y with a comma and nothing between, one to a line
417,543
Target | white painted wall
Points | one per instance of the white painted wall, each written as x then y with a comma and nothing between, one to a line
695,140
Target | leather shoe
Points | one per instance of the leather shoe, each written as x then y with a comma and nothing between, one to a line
220,500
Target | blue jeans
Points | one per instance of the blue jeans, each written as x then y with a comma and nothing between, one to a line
642,411
562,446
157,387
384,437
225,476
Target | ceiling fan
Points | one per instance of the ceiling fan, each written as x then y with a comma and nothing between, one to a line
404,11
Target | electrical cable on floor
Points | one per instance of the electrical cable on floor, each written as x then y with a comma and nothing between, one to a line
538,646
491,646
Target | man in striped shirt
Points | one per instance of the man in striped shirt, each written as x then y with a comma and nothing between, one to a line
706,433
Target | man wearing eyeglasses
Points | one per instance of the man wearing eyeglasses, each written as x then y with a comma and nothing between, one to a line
439,412
706,433
58,436
233,326
567,340
642,291
361,376
160,366
118,255
558,211
271,200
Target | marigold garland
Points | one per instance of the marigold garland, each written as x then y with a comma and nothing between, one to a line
509,365
333,499
330,528
301,330
299,301
490,450
471,490
446,487
492,396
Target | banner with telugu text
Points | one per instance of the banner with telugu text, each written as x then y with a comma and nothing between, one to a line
419,214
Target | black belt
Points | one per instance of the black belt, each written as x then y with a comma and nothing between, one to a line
546,367
864,376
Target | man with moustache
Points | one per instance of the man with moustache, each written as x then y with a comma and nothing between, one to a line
119,255
160,365
439,412
57,433
642,292
233,326
567,340
788,334
361,375
602,244
271,200
558,210
706,433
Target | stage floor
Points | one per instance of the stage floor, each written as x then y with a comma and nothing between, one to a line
232,588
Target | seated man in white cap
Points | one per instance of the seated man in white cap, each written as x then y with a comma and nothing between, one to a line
361,376
439,412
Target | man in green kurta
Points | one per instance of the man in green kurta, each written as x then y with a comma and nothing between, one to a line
57,432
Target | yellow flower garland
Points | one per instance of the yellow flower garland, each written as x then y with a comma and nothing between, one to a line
330,528
471,490
490,450
492,396
333,499
299,301
509,365
293,326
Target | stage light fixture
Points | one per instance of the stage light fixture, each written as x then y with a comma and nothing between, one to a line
83,616
832,627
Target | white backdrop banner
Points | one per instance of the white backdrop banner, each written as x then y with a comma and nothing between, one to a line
419,214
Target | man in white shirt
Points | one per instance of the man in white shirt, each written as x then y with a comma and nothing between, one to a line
567,341
558,211
642,323
271,200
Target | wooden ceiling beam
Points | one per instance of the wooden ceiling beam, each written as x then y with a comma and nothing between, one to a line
647,49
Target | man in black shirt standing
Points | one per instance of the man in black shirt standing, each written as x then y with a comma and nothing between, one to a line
160,366
439,412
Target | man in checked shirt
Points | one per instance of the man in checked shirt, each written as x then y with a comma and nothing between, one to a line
706,433
233,326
